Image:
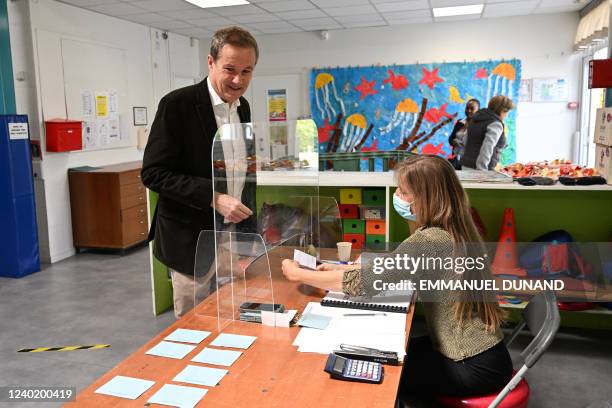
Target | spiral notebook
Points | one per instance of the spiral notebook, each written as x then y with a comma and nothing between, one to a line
398,302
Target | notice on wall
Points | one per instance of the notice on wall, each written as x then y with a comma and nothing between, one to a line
87,103
102,132
550,90
113,102
113,130
101,104
525,90
277,105
89,134
18,131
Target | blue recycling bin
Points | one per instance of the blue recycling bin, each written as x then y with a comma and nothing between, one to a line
19,253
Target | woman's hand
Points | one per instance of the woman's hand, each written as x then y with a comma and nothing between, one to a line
328,267
291,270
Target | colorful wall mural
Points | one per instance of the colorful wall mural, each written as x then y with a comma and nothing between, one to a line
406,107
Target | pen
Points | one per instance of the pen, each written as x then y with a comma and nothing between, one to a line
364,314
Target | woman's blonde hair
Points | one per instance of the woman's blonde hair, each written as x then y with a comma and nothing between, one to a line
440,201
500,104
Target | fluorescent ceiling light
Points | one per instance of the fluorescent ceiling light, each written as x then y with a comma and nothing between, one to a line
458,10
217,3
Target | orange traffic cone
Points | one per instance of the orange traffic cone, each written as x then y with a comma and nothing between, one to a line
506,261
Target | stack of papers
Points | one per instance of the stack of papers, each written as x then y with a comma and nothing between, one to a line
383,331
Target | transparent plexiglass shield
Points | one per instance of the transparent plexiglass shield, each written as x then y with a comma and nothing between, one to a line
232,275
266,182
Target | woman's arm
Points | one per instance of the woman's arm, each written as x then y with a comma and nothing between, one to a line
323,279
494,132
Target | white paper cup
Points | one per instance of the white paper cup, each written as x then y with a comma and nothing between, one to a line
344,251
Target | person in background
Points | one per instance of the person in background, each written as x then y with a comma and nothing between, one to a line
486,138
464,353
177,163
459,133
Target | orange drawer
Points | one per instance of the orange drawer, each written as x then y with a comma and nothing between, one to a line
133,201
375,227
135,213
134,231
129,177
131,189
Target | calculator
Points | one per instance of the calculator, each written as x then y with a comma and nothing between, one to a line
354,370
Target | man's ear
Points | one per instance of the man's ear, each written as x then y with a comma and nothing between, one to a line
210,61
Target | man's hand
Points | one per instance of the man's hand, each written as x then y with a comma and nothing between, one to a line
291,270
231,208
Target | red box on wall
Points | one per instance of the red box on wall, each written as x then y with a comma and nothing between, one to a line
600,73
63,135
358,240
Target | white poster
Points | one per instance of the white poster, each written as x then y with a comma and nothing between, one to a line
89,135
550,90
102,132
113,130
525,90
113,102
87,103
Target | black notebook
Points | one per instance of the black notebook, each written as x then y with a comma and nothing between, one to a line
397,303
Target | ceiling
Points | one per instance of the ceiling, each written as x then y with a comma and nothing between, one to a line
286,16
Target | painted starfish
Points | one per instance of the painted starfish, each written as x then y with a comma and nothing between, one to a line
430,78
366,88
324,132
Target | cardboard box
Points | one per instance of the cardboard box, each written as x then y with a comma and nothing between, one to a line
603,127
603,161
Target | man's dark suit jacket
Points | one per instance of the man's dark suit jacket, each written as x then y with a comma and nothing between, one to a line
177,165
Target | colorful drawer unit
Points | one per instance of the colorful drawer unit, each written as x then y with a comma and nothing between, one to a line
358,240
375,227
372,212
373,196
350,196
349,210
353,226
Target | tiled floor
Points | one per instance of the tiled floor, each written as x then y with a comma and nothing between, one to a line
105,298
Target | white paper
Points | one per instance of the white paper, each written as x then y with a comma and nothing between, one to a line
277,319
188,336
206,376
18,131
113,130
87,103
89,135
102,131
125,387
178,396
171,350
113,102
305,260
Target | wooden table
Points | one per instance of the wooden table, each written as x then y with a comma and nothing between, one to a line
271,373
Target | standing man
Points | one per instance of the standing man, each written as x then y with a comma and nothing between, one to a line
177,161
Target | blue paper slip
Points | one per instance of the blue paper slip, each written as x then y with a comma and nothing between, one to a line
314,321
171,350
217,357
125,387
178,396
188,336
233,340
200,375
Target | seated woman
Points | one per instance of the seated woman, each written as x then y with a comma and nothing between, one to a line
464,353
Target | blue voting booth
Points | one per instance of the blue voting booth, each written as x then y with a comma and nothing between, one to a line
19,254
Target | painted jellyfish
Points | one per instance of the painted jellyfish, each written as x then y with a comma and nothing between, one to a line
354,129
504,75
324,85
406,113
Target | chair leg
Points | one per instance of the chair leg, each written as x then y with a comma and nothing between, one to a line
509,387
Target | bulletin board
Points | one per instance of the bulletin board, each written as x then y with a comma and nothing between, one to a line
97,94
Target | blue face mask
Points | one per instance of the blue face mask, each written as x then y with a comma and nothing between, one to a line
403,208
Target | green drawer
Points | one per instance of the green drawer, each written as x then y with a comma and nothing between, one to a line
375,239
373,196
353,226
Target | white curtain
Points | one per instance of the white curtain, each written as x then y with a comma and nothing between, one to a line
593,27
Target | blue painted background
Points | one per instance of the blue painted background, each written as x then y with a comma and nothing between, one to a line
378,107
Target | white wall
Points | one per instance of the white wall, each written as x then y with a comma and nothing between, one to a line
542,42
42,96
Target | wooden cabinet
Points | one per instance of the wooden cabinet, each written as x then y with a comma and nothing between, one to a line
108,205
